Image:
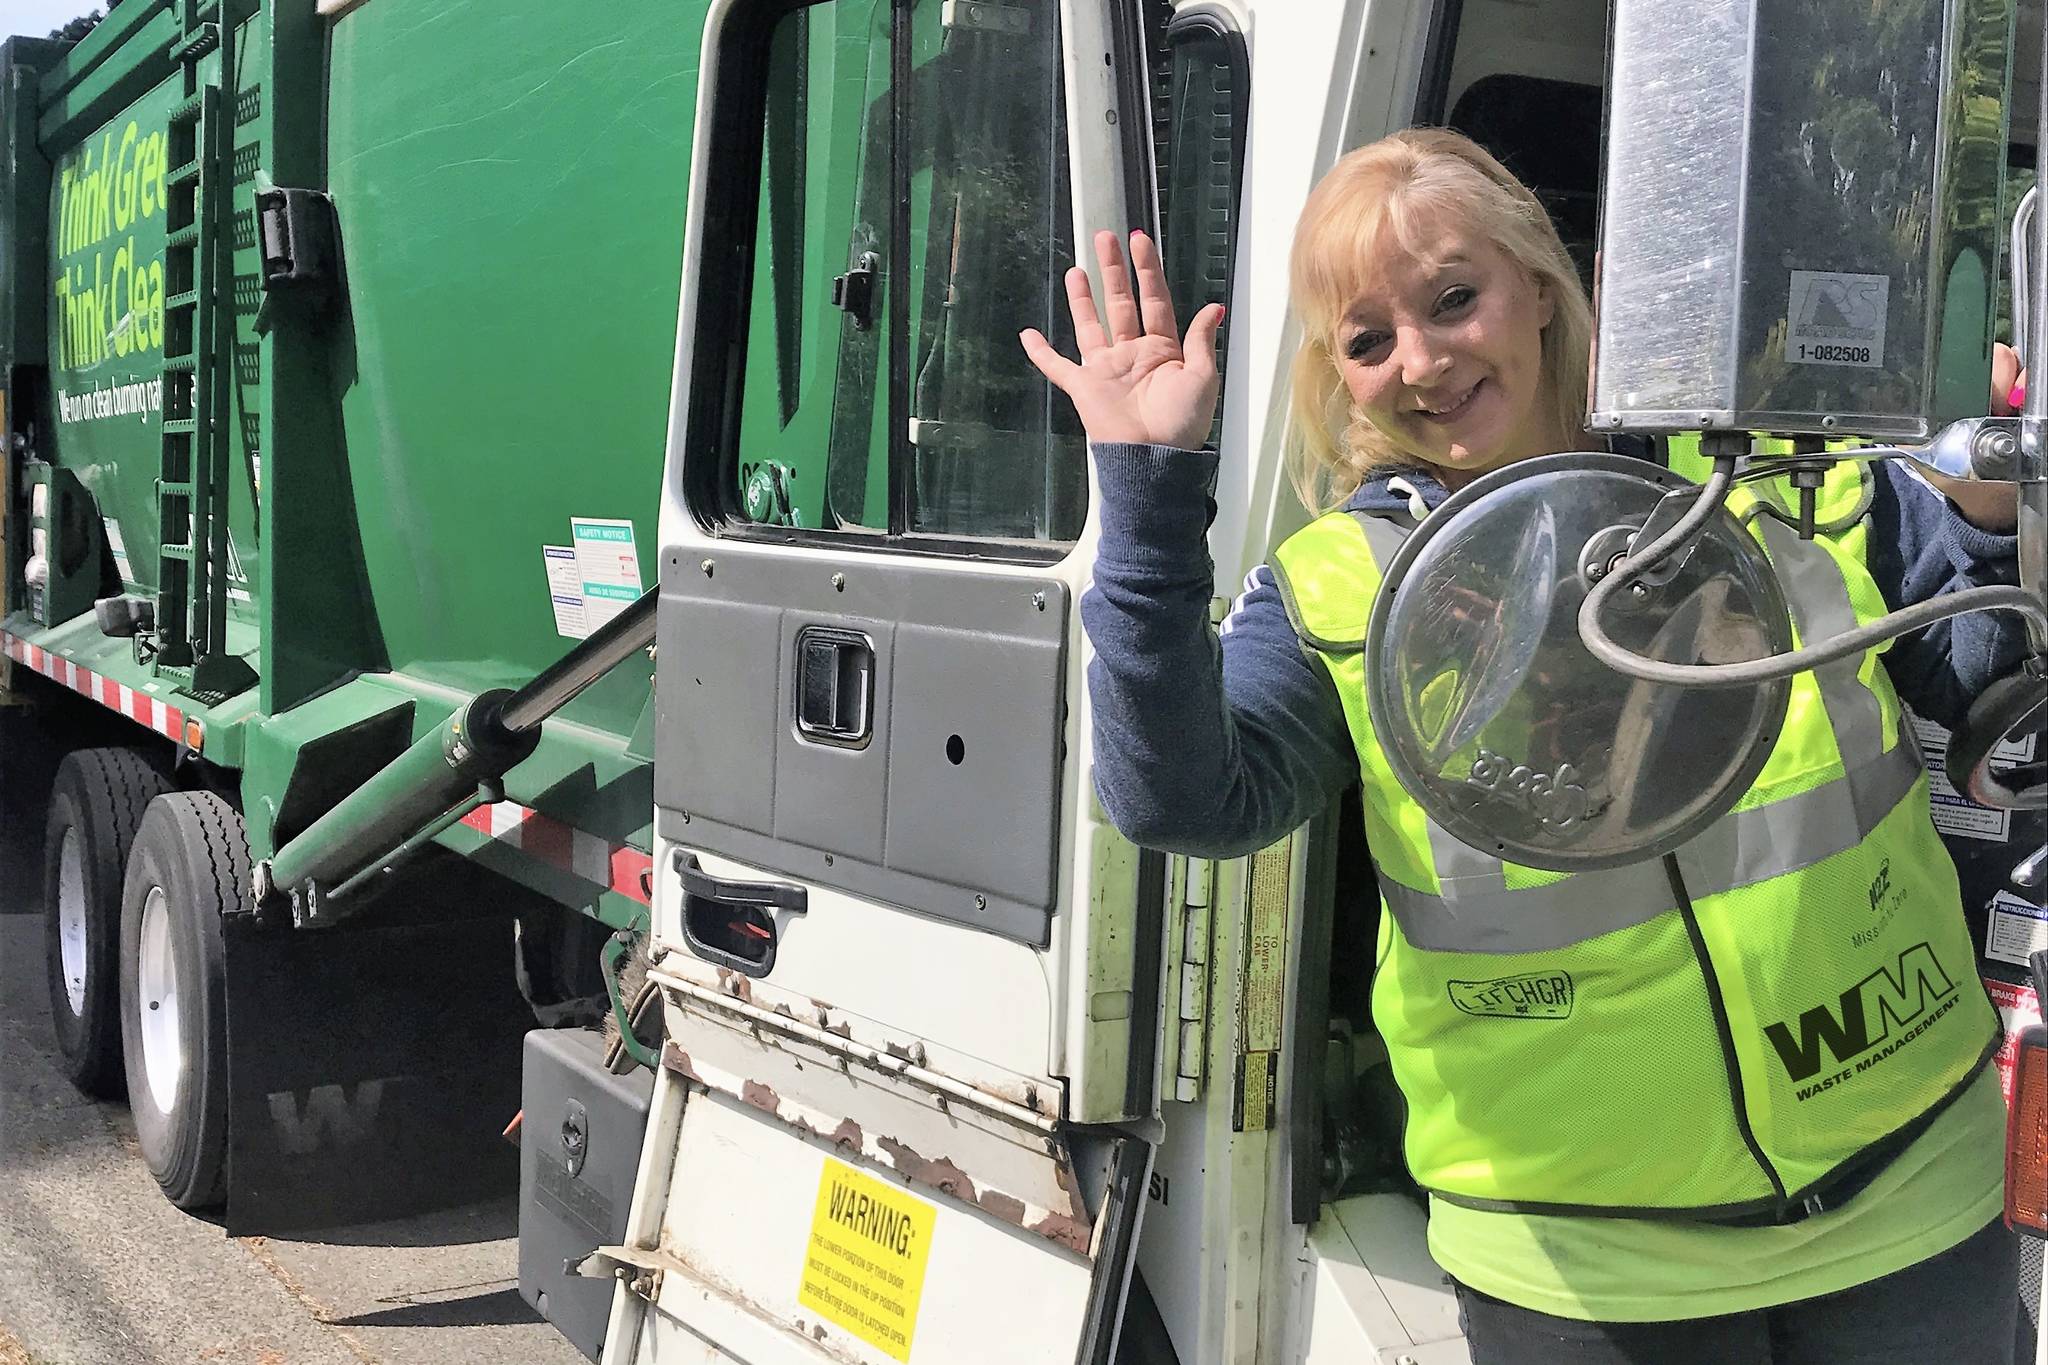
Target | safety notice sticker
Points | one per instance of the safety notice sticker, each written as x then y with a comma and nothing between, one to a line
1836,319
864,1267
2015,929
608,564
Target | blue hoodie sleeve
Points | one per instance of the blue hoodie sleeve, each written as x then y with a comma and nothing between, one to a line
1920,548
1205,744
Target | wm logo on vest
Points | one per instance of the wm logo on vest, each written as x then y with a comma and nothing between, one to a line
1538,995
1909,1000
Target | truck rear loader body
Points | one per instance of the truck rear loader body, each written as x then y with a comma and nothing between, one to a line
334,361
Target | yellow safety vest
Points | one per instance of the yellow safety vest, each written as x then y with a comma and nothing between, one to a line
1749,1038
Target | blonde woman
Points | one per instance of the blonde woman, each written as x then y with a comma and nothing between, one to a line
1655,1173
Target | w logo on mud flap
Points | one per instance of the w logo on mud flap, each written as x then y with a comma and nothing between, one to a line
328,1116
1910,999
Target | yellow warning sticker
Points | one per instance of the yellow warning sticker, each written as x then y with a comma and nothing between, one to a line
864,1267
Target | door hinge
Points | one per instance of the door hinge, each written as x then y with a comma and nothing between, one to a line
1194,881
640,1271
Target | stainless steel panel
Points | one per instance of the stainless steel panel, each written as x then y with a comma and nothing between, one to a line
1800,224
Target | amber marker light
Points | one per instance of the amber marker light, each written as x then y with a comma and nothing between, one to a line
2026,1136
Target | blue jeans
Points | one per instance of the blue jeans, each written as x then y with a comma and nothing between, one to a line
1958,1308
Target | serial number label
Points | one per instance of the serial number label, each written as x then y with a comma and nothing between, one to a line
1836,355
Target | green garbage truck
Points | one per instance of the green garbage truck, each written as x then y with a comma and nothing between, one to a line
335,345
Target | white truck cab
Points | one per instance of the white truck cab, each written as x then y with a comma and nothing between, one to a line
951,1070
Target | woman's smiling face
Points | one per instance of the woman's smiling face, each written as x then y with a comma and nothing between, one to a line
1442,352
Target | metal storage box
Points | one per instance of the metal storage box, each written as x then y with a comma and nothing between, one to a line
579,1145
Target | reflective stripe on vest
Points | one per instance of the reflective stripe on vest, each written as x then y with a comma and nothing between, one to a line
1480,914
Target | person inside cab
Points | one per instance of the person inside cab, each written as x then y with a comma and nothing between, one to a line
1722,1142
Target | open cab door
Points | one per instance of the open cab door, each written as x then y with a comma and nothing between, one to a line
911,979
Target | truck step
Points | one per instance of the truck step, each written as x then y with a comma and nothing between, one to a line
182,237
180,364
178,175
186,299
181,426
183,552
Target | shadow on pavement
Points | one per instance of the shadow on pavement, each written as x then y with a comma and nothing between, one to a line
502,1308
491,1221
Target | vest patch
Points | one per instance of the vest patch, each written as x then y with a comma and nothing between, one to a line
1911,999
1538,995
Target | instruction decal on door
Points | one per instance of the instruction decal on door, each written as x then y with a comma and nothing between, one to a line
565,591
864,1267
1833,318
1262,997
2014,930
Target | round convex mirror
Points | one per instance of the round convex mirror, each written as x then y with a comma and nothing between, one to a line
1499,723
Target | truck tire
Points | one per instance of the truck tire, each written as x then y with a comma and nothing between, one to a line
188,869
95,808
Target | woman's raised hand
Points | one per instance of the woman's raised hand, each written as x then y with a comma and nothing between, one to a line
1137,381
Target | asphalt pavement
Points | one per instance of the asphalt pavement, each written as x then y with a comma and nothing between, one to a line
97,1269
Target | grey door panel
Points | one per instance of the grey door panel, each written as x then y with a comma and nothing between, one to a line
969,722
950,804
736,659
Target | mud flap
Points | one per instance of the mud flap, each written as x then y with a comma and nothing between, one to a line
372,1070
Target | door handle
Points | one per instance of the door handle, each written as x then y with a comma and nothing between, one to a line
835,686
854,292
733,923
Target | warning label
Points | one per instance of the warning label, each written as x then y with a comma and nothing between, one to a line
864,1267
2017,1009
1955,813
1836,319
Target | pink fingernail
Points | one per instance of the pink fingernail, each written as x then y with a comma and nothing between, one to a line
2017,399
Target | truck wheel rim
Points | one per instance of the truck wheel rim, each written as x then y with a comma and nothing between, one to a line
163,1045
71,921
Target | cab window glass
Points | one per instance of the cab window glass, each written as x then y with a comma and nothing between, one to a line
910,416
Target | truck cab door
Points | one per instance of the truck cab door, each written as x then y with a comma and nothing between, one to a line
911,978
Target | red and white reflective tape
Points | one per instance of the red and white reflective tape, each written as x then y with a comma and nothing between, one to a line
140,707
614,867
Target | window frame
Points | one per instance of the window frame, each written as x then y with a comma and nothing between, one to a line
730,217
1439,55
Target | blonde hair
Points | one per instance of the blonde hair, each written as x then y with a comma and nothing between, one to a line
1389,185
